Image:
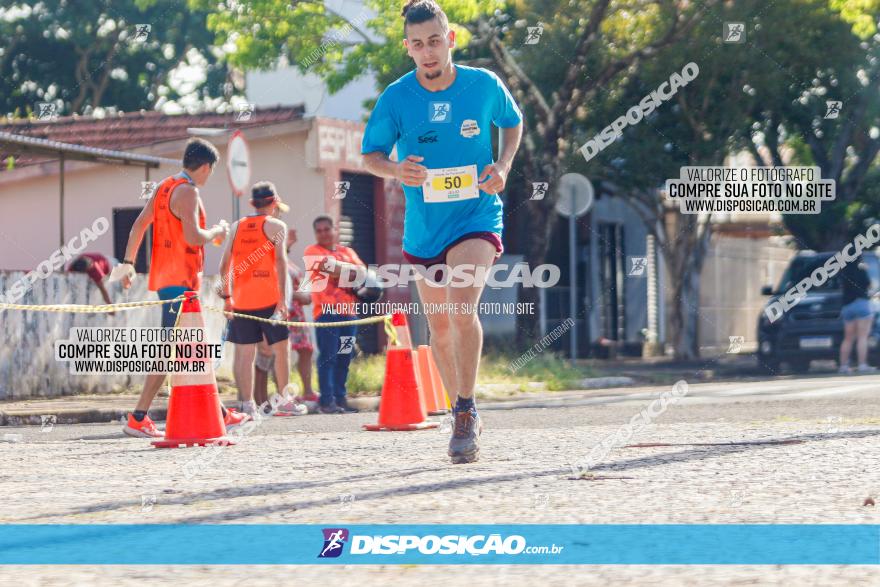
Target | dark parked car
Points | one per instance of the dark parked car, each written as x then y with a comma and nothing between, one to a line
812,329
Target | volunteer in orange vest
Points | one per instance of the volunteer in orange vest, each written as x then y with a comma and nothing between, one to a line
326,260
254,270
177,216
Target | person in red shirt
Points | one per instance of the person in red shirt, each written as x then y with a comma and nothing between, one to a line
325,261
97,266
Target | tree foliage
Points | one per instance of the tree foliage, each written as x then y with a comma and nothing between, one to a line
86,55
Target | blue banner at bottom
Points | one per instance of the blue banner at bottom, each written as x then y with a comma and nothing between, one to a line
518,544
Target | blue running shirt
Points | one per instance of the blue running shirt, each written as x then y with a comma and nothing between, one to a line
450,128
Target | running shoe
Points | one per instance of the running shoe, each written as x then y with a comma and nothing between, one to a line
464,446
309,397
146,428
234,419
331,409
867,369
346,409
292,408
249,409
845,370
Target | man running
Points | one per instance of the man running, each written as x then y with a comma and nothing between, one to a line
254,270
440,117
177,216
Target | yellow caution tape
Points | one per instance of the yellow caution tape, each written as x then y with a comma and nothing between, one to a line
105,308
86,308
391,332
371,320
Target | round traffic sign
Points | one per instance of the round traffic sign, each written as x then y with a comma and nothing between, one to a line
575,195
238,163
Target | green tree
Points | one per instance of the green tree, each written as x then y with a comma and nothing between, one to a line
832,53
86,55
742,94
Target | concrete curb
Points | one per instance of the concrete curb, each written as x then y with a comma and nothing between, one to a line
24,417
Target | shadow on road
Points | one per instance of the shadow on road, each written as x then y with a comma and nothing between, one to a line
704,452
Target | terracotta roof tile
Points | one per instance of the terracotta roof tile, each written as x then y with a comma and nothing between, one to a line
133,129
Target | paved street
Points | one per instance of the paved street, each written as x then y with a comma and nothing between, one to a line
783,451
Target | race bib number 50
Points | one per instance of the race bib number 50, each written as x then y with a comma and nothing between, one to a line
451,184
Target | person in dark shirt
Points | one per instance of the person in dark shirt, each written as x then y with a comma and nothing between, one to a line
857,314
97,266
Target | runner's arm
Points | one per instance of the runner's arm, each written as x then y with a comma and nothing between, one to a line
225,287
187,201
408,171
493,177
278,231
510,139
138,229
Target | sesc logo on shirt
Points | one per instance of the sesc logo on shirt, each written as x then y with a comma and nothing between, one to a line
440,111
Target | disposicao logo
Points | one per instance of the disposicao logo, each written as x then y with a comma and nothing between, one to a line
334,540
473,545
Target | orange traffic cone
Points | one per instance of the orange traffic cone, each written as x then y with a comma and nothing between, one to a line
438,383
402,406
194,414
429,386
401,328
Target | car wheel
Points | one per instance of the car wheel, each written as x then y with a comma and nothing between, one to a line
799,366
769,365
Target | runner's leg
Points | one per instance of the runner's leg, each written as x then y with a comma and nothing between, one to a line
440,328
467,333
282,364
262,365
243,369
849,336
304,366
152,384
863,330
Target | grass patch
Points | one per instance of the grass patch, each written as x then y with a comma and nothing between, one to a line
367,373
558,373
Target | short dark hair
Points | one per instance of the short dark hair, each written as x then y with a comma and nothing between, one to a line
263,194
322,218
79,265
199,152
419,11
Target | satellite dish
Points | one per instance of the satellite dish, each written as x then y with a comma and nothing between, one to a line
575,195
238,163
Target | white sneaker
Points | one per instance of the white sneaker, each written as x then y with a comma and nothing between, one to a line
845,370
249,408
867,369
292,408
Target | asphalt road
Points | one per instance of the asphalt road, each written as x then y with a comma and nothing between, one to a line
781,451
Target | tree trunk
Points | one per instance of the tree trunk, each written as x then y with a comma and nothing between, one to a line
684,315
684,262
536,245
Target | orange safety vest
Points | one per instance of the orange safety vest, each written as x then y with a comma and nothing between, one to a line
174,262
252,266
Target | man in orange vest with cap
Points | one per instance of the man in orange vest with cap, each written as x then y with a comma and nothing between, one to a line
254,283
177,216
